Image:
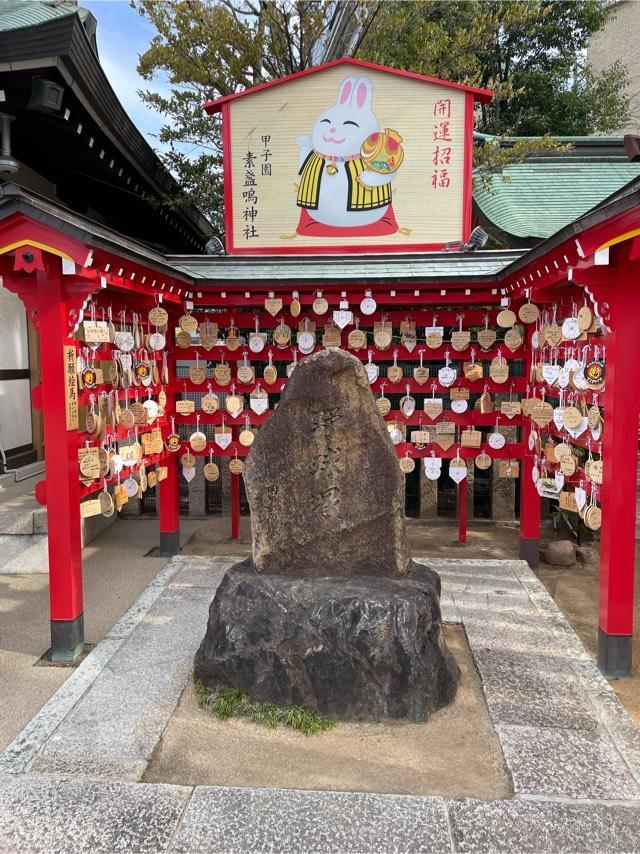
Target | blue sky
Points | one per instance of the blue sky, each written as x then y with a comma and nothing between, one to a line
122,35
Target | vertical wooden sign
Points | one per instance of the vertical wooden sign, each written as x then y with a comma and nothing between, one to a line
71,387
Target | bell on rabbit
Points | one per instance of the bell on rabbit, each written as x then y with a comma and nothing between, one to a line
347,165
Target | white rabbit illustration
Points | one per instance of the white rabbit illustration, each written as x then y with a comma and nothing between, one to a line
336,188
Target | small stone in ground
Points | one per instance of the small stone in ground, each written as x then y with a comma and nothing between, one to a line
560,553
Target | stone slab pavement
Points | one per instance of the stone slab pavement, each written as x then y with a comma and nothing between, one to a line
70,780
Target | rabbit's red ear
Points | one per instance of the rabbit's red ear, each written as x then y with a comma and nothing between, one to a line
345,91
364,92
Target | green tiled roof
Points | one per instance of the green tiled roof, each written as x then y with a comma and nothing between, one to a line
541,197
16,14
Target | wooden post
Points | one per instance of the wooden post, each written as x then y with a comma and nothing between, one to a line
620,461
169,489
61,464
462,512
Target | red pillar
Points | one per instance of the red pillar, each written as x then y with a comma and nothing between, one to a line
462,510
620,460
169,489
62,482
529,498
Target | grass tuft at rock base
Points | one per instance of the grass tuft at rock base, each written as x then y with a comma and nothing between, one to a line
233,702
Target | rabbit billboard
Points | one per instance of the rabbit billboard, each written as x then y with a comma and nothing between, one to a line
347,158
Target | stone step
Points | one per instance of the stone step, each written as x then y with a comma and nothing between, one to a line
26,553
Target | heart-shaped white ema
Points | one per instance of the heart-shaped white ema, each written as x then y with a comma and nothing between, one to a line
559,480
496,440
581,497
189,473
342,318
259,401
564,377
596,432
432,467
396,435
222,437
372,370
576,432
457,470
550,373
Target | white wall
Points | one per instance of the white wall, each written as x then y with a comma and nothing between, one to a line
15,402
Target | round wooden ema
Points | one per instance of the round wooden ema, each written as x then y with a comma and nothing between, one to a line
210,403
513,339
561,451
197,375
188,323
506,318
282,335
357,339
499,370
320,306
144,480
246,374
460,340
585,318
394,373
434,340
568,465
383,405
407,465
222,373
270,375
126,419
486,338
187,460
246,437
236,466
595,471
139,413
103,457
553,335
211,472
483,460
198,441
294,308
529,312
158,316
114,373
106,504
183,340
593,518
571,417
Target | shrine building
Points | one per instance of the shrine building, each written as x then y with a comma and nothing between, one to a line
506,376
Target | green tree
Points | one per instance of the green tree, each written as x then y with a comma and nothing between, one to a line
531,54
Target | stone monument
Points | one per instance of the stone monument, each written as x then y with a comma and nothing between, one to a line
330,612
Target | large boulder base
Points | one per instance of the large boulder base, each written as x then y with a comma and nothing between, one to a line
322,478
359,648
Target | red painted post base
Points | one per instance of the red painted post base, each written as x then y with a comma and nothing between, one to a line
67,639
614,655
530,551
